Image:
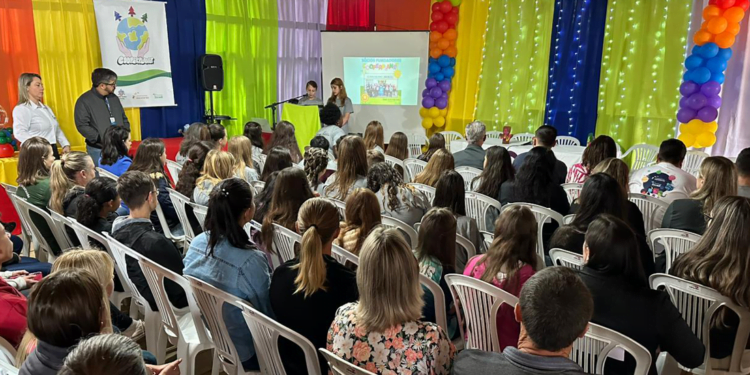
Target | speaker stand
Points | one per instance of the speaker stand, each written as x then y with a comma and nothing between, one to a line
211,116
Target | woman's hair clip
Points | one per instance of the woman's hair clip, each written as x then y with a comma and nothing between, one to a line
224,192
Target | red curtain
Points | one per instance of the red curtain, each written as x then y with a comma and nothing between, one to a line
350,15
402,15
18,53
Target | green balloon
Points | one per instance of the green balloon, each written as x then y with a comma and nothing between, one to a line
455,3
3,141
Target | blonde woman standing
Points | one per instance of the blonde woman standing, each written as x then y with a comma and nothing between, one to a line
219,166
31,118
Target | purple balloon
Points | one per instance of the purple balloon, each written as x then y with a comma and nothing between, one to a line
435,92
445,95
697,101
714,101
441,103
430,83
683,100
445,85
707,114
428,102
426,93
711,88
684,115
688,88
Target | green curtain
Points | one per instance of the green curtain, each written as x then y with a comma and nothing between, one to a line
643,52
246,35
513,81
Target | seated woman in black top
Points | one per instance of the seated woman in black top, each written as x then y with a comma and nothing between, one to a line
96,207
307,291
624,302
720,260
717,178
621,172
601,194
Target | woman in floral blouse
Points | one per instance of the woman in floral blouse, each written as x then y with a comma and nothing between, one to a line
382,332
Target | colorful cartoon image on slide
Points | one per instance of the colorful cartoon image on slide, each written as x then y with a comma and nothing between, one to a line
657,184
380,83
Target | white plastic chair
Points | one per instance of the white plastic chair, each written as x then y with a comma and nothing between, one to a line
258,186
343,255
416,142
478,207
566,258
61,225
451,136
104,173
649,207
174,170
541,214
179,202
567,219
26,234
340,366
573,190
85,235
643,155
676,242
438,300
415,167
468,174
283,242
340,206
184,330
693,161
411,234
200,211
494,134
564,140
698,304
180,240
396,162
591,351
522,138
427,190
266,333
7,369
24,212
479,303
261,160
489,237
7,355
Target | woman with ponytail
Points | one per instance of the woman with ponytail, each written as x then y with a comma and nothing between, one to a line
307,290
96,207
68,178
192,167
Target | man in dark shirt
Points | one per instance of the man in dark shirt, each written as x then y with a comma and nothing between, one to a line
473,154
545,136
554,310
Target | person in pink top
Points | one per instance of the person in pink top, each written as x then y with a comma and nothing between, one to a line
508,263
599,149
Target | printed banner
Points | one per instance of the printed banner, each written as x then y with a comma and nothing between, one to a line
134,44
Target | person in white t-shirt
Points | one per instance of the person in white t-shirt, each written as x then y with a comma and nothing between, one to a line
665,180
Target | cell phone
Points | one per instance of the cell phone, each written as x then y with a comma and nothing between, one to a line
37,276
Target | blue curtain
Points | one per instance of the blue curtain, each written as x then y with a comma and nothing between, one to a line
186,23
575,64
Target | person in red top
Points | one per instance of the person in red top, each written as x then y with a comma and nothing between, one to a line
12,303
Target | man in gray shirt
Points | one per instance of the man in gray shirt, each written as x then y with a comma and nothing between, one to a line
98,109
473,154
554,310
743,173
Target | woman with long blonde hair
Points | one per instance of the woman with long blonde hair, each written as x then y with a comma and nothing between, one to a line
374,136
306,291
341,100
717,178
441,161
74,170
362,215
352,169
219,166
242,149
386,319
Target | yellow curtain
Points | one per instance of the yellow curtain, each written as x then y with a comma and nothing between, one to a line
68,44
462,101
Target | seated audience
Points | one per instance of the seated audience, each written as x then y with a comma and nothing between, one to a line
497,170
385,322
624,302
283,136
254,132
136,231
554,310
620,171
320,142
316,163
263,199
362,215
115,149
329,118
97,206
278,159
397,199
196,133
352,169
219,166
374,157
743,173
436,142
510,261
473,154
601,148
717,178
218,136
224,257
449,193
289,193
374,137
13,307
68,178
307,290
242,149
114,355
192,167
545,137
398,146
719,261
441,161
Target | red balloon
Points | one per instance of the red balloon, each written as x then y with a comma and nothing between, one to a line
454,10
710,2
437,16
433,26
6,151
436,7
442,26
445,6
451,18
743,4
725,4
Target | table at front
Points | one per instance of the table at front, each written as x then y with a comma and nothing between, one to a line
569,155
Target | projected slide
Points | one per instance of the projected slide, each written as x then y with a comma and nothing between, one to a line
382,80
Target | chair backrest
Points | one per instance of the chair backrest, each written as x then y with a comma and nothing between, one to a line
478,206
643,155
522,137
438,300
676,242
11,191
340,206
566,258
211,301
573,190
591,351
465,244
174,169
414,167
266,333
283,242
451,136
468,174
541,214
261,160
342,255
649,207
494,134
179,202
416,142
85,235
479,303
564,140
693,160
698,304
394,162
7,369
340,366
488,238
200,211
165,225
7,355
258,186
105,173
567,219
61,223
24,212
119,252
427,190
412,237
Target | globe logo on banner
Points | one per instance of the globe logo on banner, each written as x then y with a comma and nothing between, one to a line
133,37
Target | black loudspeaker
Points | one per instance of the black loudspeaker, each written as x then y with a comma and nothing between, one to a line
212,73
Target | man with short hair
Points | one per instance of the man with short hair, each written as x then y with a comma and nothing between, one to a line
743,173
137,232
554,310
473,154
665,180
98,109
329,117
545,136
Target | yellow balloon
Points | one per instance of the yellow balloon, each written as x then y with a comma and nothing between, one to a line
444,112
423,112
439,121
706,139
427,122
687,138
433,112
712,127
696,126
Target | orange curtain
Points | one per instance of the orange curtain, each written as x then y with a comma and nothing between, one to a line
402,15
18,52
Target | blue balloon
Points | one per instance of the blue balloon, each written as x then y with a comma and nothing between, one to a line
718,77
716,64
701,75
453,61
444,61
448,72
439,76
725,54
13,142
709,50
696,50
432,60
434,68
693,61
687,76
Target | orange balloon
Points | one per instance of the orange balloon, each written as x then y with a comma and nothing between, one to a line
451,51
453,42
724,40
433,45
435,53
450,34
702,37
711,11
733,28
717,25
734,14
443,43
435,36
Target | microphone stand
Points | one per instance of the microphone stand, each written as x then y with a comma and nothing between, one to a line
274,106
